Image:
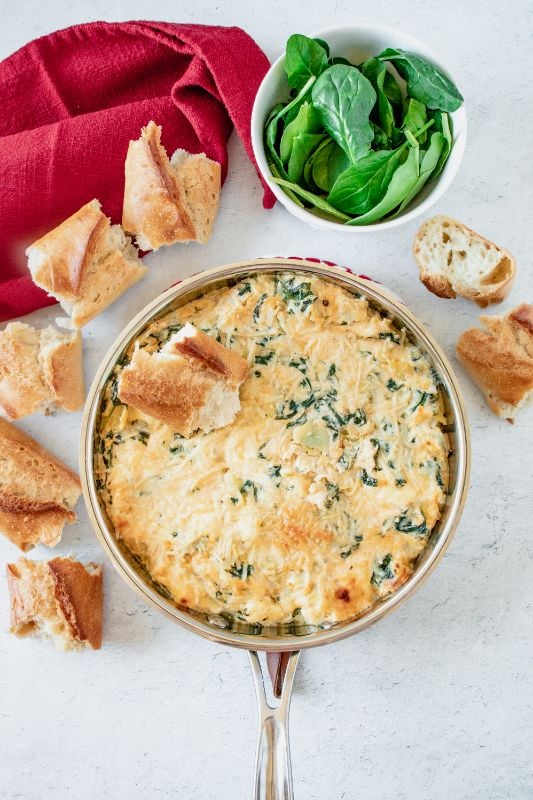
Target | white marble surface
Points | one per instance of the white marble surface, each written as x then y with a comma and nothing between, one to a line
433,702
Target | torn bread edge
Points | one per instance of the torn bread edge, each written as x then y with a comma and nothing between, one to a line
38,492
499,359
448,252
168,200
60,599
85,263
40,370
191,384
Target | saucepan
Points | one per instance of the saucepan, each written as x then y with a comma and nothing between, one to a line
274,651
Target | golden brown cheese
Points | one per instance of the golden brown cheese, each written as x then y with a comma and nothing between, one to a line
318,499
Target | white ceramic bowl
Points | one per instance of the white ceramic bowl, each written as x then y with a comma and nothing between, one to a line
356,43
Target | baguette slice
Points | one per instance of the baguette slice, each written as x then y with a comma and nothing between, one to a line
167,202
40,370
61,599
193,383
85,263
37,492
453,259
500,359
199,179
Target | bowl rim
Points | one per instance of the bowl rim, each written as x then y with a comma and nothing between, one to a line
429,557
443,182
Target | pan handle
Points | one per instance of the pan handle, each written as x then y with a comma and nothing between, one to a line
273,677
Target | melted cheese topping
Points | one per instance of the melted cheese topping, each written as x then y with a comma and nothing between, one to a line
319,497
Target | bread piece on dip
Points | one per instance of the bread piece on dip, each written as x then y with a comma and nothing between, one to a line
192,383
168,201
500,359
86,263
40,370
453,259
37,492
61,599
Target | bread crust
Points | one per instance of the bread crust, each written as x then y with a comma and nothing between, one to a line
198,346
171,393
39,370
63,593
37,491
500,359
153,210
68,249
83,265
493,288
178,384
79,594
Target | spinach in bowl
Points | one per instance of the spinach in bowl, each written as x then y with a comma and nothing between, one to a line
356,143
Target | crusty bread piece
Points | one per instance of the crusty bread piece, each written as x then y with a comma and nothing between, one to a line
193,383
453,259
86,263
37,492
153,203
500,359
40,370
168,201
199,178
61,599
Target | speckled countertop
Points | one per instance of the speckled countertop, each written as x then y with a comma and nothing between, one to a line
434,702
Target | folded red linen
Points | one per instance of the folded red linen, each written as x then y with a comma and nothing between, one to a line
72,100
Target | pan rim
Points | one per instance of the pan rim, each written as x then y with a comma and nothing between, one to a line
428,559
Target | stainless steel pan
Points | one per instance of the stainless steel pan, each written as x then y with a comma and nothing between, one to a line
274,652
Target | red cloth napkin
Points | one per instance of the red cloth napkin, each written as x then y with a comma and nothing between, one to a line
72,100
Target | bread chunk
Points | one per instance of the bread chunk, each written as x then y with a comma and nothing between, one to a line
192,383
40,370
168,201
500,359
85,263
453,259
37,492
61,599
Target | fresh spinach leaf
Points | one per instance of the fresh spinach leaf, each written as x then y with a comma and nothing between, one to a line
375,70
443,124
272,125
362,186
392,90
304,58
425,82
415,118
381,140
306,121
428,165
402,181
344,99
302,147
313,199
